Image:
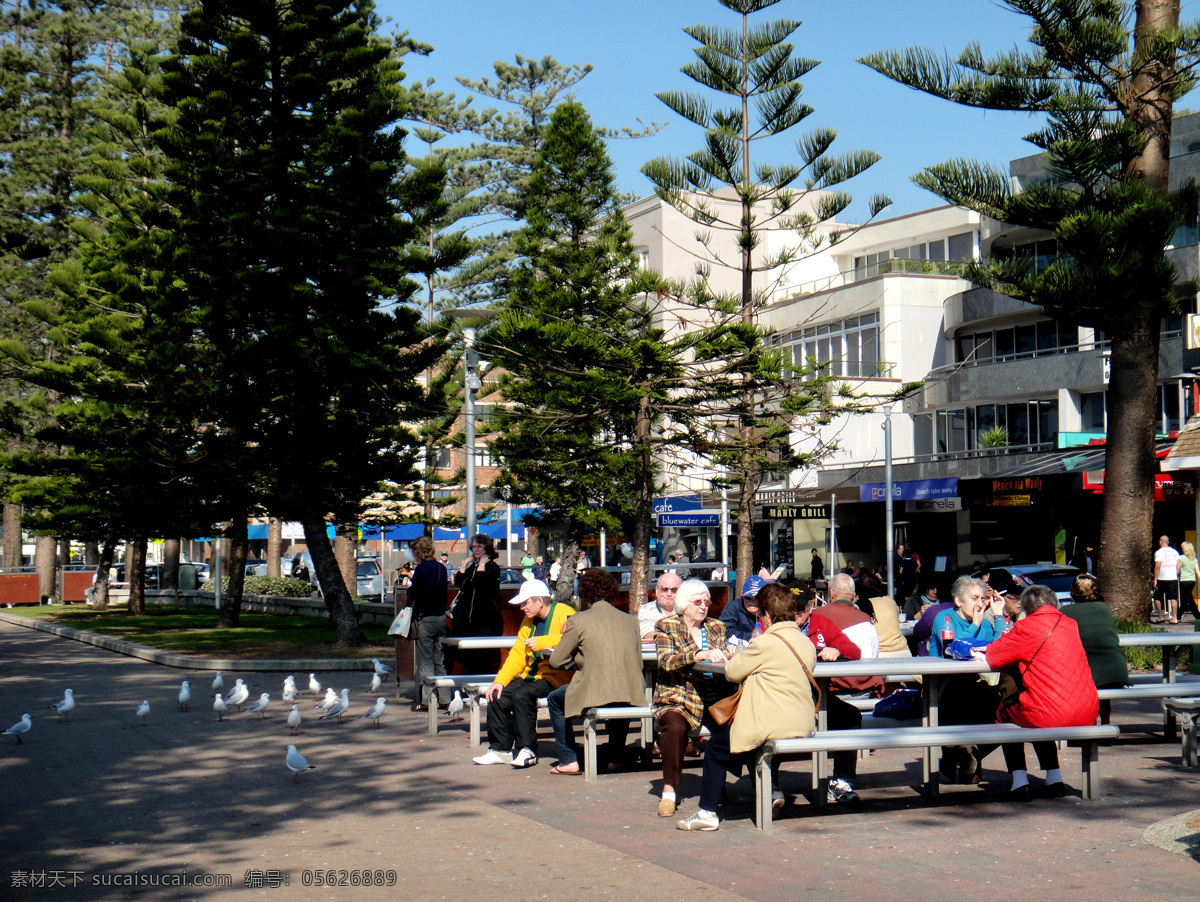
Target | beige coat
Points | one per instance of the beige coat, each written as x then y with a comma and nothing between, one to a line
606,646
777,698
892,643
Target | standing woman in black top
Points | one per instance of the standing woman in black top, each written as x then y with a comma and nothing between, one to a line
427,595
476,610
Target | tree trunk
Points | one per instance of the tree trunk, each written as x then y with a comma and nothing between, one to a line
45,559
12,536
643,509
170,569
103,564
135,570
343,552
64,554
231,601
565,589
347,632
91,553
274,547
1127,529
1126,533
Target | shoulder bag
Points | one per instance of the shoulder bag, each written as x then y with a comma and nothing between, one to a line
1011,683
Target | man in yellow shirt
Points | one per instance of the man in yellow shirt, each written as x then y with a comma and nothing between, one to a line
524,677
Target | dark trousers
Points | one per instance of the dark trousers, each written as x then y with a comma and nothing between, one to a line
564,730
512,717
718,761
672,743
1014,755
841,715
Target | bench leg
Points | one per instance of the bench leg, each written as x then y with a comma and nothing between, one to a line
1188,724
433,711
475,708
1090,752
591,765
762,790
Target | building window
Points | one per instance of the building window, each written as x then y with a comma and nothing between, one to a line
849,348
1091,412
1031,425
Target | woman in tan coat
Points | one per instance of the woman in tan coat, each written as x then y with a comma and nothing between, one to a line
777,700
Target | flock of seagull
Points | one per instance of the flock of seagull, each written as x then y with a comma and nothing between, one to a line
331,706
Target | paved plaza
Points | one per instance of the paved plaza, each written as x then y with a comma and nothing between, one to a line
97,800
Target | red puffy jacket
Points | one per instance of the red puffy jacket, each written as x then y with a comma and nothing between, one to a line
1058,682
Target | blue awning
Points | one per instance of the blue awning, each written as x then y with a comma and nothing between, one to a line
500,515
405,532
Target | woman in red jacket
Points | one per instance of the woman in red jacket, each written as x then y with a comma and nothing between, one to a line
1045,647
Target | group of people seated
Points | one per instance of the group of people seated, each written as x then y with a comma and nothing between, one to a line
768,641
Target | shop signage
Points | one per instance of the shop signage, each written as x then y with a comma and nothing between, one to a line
936,504
1018,484
797,512
694,518
1010,501
778,496
910,490
671,504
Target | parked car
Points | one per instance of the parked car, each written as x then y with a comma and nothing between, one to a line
370,578
509,576
1057,577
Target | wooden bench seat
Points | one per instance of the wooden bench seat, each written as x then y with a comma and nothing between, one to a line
1088,738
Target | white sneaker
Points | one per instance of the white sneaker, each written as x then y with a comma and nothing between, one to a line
491,756
524,758
701,820
841,791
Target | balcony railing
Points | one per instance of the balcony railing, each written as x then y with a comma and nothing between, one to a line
850,276
945,369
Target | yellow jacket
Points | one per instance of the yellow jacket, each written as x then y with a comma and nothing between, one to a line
520,659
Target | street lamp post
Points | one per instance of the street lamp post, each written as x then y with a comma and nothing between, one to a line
471,385
887,479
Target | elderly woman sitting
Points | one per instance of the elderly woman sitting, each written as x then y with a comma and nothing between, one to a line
775,671
682,639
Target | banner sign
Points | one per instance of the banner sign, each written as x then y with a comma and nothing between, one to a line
673,504
698,518
910,490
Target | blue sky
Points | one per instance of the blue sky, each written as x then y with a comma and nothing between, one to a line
637,48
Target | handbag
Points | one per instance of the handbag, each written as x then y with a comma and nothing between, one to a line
722,712
402,623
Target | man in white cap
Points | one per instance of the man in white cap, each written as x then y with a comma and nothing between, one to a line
524,677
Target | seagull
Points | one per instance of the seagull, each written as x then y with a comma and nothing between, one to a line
340,707
21,726
185,695
328,701
289,689
376,711
143,710
314,685
383,669
376,682
294,719
296,763
239,695
454,709
66,705
260,706
219,706
218,682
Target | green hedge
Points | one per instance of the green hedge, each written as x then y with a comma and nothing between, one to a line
1147,657
282,586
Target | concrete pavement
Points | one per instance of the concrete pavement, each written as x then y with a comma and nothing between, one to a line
96,799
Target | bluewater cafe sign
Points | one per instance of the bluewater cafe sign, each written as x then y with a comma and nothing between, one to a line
910,490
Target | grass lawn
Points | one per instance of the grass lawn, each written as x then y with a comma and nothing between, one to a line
194,631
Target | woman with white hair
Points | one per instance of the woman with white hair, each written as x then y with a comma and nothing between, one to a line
681,639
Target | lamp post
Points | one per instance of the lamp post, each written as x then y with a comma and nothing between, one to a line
887,479
471,385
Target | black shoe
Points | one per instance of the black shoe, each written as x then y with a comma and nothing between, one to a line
1053,791
1020,794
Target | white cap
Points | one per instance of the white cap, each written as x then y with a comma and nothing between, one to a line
531,588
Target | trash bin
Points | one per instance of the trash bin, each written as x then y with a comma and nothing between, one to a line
187,578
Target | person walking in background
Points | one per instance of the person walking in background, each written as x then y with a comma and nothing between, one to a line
1166,581
427,594
1187,581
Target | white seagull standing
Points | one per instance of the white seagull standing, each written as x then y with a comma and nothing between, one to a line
376,711
314,685
376,682
185,695
260,706
340,707
239,695
454,709
21,726
143,710
218,682
383,669
219,706
328,701
289,689
66,705
294,719
296,763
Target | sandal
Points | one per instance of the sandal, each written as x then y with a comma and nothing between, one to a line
559,769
